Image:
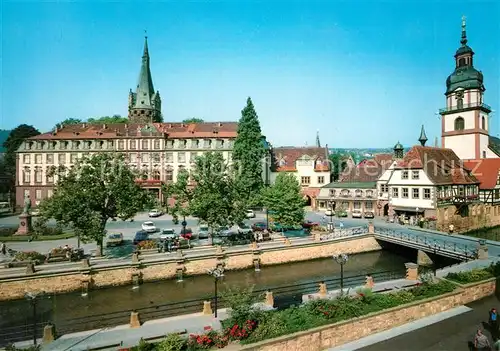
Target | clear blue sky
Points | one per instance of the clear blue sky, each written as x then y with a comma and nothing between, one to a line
365,73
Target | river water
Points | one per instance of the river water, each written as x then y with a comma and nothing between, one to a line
66,307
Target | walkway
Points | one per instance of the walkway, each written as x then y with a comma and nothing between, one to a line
451,330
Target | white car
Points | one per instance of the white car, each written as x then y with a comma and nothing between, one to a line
155,213
244,229
149,227
168,234
357,214
329,213
250,214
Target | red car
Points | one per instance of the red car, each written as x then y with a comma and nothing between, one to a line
187,233
309,224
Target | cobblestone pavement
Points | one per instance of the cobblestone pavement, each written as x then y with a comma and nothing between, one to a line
451,334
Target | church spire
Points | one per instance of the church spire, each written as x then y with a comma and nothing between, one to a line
463,40
318,144
145,104
423,137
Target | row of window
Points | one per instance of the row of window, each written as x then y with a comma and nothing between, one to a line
357,205
414,174
415,193
348,193
460,123
155,174
144,144
38,193
306,180
133,157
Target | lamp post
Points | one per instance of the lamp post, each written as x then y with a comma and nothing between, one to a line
32,298
267,219
341,260
216,273
330,205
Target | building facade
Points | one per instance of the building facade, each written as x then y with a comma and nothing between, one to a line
310,165
465,123
348,196
158,150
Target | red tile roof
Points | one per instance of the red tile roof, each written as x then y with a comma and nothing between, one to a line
441,165
134,130
485,170
367,170
284,158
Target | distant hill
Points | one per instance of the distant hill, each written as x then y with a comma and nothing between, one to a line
362,153
4,134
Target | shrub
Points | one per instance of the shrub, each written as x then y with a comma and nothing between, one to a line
29,256
146,245
7,231
143,346
240,302
472,276
172,342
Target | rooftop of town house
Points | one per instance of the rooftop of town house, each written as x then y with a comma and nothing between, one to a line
367,170
174,130
485,170
284,159
441,165
351,185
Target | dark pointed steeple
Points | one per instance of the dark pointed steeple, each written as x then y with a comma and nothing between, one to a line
423,138
318,144
145,104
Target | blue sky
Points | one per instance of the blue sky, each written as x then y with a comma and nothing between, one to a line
365,73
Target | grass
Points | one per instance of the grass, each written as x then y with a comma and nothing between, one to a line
23,238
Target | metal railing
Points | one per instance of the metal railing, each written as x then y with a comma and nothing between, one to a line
342,233
284,296
434,245
464,106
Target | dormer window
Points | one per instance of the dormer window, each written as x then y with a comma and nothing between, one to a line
359,193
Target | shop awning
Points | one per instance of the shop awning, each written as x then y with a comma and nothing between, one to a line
408,209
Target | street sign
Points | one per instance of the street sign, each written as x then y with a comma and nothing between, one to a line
184,223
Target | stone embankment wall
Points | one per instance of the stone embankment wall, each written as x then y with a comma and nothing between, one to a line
82,277
344,332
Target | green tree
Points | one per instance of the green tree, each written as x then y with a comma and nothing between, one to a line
285,200
338,163
193,120
182,191
214,199
248,155
108,120
97,188
69,121
16,137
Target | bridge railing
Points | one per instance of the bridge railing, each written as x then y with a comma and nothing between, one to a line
342,233
436,245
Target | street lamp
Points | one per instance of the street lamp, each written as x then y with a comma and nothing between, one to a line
216,273
330,205
32,298
341,260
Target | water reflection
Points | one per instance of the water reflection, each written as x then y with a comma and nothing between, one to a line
124,298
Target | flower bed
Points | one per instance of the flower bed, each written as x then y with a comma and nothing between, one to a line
262,325
475,275
34,256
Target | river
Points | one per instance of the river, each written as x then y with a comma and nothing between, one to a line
65,307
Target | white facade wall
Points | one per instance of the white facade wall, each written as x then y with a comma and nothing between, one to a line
423,185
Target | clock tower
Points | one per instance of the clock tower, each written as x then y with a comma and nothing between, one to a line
465,119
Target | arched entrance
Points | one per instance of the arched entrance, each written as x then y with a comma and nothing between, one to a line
307,200
386,209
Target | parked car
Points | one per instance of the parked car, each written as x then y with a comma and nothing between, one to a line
168,234
114,239
259,226
224,232
250,214
203,232
35,212
309,224
155,213
244,229
329,213
187,233
149,227
341,213
369,214
140,236
356,213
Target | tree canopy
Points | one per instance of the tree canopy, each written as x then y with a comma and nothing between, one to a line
338,163
92,120
284,200
182,191
97,188
11,144
214,199
248,155
193,120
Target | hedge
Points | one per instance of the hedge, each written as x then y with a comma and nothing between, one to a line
475,275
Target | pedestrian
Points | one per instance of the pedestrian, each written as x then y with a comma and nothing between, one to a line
341,225
481,342
451,228
493,321
3,248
